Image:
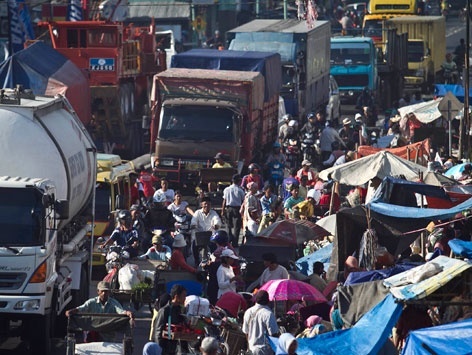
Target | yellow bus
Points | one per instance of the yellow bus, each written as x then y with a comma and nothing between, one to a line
392,7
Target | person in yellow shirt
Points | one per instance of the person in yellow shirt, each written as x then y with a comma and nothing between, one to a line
220,163
306,209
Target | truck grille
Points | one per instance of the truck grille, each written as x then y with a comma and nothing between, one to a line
11,281
352,80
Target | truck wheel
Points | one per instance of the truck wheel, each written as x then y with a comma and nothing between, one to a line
39,330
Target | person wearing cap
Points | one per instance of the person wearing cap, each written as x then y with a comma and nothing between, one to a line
177,259
157,251
307,171
293,200
233,199
102,304
220,162
346,131
259,321
345,158
210,346
225,274
310,125
283,130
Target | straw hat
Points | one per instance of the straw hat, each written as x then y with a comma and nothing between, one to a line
346,121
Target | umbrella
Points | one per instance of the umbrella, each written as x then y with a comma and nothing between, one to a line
293,231
292,290
328,223
379,165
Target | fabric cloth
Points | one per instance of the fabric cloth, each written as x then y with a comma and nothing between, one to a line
313,320
278,273
306,209
310,173
285,340
259,321
177,262
232,303
224,274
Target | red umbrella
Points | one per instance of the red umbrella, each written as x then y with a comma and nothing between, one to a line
293,231
292,290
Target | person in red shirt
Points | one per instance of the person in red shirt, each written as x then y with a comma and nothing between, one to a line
148,181
325,200
177,259
307,171
253,176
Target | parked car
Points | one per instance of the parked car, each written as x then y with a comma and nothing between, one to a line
333,109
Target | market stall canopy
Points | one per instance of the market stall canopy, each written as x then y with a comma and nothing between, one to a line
379,165
438,179
429,111
418,152
440,339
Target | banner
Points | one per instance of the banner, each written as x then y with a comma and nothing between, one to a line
21,28
74,11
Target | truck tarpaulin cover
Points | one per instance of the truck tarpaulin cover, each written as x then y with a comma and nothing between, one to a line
212,85
268,64
53,74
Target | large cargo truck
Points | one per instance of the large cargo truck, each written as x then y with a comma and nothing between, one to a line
47,180
200,112
426,47
305,58
354,66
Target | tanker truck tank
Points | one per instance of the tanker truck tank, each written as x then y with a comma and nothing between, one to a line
43,138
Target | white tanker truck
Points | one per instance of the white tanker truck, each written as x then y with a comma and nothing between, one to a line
47,179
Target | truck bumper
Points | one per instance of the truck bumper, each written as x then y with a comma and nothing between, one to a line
349,96
18,306
414,80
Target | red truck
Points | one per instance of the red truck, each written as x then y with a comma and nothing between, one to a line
199,112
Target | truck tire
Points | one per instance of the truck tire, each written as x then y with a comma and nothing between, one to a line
39,331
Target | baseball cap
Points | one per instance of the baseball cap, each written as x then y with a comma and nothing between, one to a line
229,253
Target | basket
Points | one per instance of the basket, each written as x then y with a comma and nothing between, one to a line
236,340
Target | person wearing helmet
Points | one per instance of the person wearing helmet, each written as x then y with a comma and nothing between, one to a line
283,130
276,157
124,234
310,125
254,175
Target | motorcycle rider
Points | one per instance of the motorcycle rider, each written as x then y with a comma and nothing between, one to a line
275,165
157,251
283,130
328,136
124,234
310,125
307,171
159,217
449,69
253,176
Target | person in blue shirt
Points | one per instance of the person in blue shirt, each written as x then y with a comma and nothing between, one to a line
287,184
125,235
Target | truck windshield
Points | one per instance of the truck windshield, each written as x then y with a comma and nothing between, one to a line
373,28
21,216
415,51
202,123
360,54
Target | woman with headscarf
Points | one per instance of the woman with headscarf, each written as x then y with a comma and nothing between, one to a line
287,345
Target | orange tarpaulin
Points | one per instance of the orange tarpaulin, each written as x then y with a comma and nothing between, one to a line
416,152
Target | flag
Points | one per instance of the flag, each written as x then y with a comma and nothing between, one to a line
21,28
74,11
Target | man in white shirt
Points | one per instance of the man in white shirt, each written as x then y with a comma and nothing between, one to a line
259,320
273,270
204,220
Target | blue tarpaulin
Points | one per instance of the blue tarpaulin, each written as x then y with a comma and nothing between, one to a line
268,64
305,264
366,337
366,276
460,247
453,338
457,90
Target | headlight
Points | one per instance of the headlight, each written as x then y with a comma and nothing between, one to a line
29,305
167,162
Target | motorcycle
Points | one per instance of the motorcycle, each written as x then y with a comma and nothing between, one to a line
276,174
310,147
182,226
292,151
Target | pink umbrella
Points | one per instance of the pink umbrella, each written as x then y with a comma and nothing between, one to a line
292,290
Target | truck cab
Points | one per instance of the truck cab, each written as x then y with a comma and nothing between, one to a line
353,66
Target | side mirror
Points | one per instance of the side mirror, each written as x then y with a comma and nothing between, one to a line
62,209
